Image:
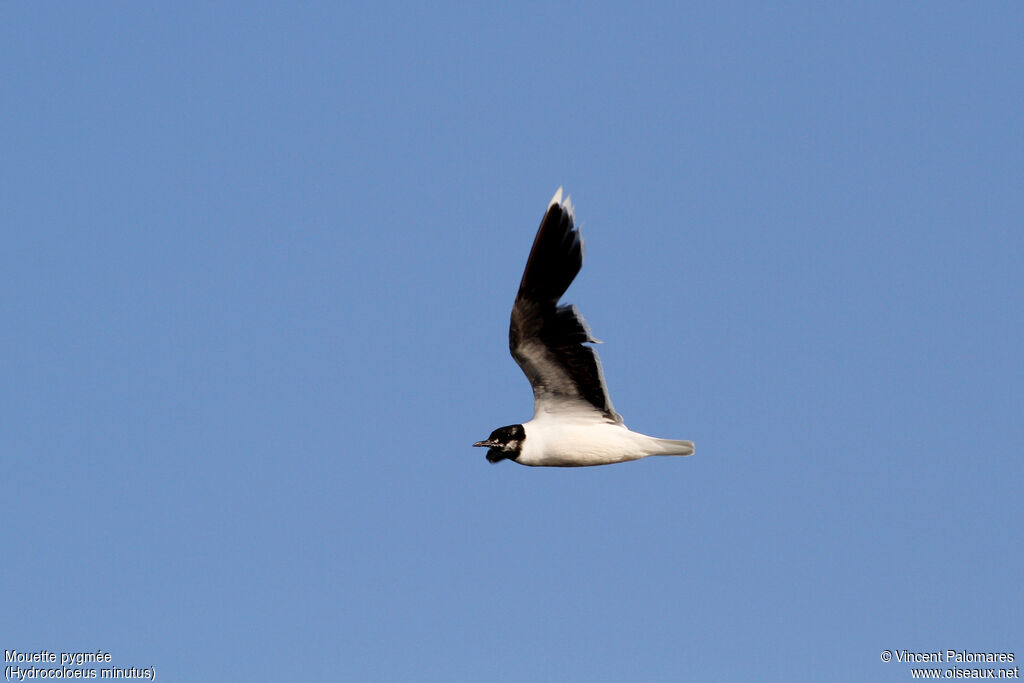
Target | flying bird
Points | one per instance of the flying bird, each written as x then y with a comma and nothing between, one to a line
574,423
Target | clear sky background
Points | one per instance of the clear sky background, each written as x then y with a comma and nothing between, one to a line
258,261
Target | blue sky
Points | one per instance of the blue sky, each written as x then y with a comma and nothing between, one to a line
258,261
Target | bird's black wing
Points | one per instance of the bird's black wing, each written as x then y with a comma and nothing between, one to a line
549,341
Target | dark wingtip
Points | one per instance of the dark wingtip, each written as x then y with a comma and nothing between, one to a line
556,256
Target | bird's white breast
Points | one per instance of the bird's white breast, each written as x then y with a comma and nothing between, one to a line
569,441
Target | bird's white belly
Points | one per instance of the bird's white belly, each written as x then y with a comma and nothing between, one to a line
553,443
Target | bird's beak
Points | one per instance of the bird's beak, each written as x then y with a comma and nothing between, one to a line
484,444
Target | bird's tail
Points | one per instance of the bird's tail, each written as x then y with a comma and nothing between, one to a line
675,447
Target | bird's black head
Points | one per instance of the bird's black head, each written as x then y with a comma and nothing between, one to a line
504,442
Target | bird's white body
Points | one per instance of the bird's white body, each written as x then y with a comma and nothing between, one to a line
579,440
